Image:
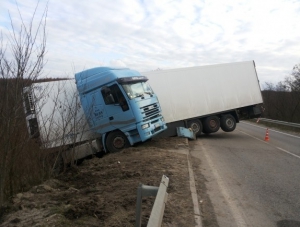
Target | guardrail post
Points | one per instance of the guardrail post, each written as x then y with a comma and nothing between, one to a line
159,204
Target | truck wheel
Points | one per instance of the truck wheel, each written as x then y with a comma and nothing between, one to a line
211,124
196,126
228,123
116,141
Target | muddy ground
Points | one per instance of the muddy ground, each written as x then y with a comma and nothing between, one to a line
103,191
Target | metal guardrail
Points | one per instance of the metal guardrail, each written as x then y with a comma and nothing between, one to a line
157,212
280,122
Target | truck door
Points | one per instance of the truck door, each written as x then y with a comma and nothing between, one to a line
94,109
117,108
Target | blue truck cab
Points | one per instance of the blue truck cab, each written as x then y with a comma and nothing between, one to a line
119,105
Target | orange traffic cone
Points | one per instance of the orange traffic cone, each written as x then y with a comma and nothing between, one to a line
267,135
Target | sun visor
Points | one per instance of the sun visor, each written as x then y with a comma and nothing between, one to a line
133,79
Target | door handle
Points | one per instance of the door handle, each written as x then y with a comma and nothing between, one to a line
111,118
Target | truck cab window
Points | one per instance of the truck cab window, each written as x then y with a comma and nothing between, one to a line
112,95
138,89
107,96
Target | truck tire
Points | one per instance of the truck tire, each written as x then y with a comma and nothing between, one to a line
228,123
116,141
196,126
211,124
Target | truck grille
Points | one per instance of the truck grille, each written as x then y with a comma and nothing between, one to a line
150,112
156,129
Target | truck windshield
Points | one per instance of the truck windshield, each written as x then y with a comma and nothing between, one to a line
139,89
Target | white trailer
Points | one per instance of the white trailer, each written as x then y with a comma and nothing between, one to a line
206,98
55,117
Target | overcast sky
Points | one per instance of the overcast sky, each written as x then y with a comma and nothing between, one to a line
146,35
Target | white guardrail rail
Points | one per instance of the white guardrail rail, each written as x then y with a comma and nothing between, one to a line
280,122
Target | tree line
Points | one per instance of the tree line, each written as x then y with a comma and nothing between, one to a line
282,101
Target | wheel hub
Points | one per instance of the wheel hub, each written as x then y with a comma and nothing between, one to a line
118,142
195,128
213,123
229,123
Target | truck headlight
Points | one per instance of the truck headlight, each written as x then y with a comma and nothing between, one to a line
145,126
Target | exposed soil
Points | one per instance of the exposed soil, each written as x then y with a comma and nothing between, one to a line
103,191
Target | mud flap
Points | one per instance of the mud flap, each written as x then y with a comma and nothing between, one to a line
186,132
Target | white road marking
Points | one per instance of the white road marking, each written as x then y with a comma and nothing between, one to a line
270,129
233,206
297,156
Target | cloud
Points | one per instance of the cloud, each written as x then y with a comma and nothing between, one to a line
117,63
146,35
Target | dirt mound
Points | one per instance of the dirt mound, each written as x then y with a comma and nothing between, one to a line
102,192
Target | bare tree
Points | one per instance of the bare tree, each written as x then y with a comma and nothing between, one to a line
293,82
21,62
60,119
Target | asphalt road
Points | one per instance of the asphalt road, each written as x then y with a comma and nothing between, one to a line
251,182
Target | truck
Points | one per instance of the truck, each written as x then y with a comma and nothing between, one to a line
102,109
206,98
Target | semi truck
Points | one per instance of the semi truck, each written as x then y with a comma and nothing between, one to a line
102,109
206,98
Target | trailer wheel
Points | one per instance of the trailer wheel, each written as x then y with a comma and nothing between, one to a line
196,126
116,141
211,124
228,123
